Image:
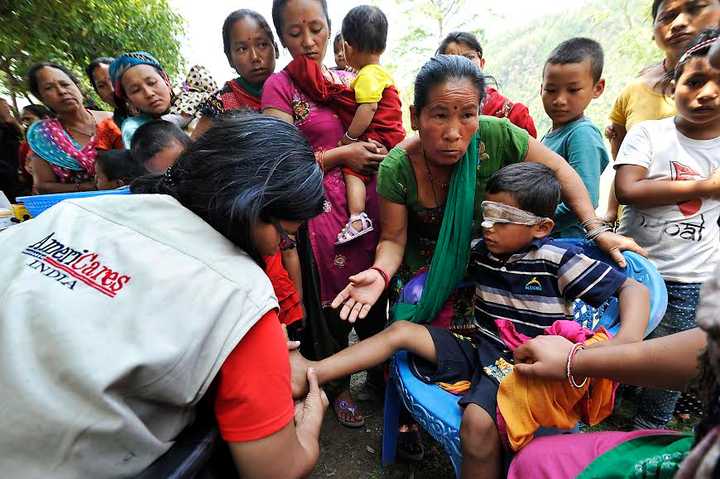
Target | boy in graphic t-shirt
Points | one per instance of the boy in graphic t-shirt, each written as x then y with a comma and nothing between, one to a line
364,31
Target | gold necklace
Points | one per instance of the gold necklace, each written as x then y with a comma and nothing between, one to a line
89,134
432,179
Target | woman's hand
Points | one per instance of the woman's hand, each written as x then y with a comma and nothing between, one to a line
614,244
360,295
364,157
543,357
310,411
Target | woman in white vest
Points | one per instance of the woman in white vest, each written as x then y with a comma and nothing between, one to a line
118,314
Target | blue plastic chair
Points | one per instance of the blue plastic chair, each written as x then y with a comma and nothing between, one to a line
437,411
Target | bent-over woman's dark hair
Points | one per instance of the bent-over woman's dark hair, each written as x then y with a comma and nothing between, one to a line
467,38
90,69
442,68
278,7
245,168
32,79
534,187
239,15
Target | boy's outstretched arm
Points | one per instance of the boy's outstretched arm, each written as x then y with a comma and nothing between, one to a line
634,304
363,355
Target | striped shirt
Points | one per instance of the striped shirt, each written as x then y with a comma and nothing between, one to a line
537,286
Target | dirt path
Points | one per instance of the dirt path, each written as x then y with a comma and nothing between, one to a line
356,453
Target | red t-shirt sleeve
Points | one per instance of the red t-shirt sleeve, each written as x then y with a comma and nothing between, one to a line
287,295
253,398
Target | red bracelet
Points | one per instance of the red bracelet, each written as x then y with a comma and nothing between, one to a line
384,275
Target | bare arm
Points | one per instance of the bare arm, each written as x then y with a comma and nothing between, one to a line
367,286
634,312
45,181
363,157
361,121
576,197
670,361
632,187
574,193
291,262
615,134
202,126
291,452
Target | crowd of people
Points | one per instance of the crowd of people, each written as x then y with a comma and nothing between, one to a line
272,216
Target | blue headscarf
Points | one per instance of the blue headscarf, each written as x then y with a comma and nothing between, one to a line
128,60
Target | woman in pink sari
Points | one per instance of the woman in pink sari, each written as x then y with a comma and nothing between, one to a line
304,29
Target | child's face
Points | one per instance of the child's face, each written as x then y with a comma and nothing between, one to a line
697,93
455,48
165,158
340,61
567,90
503,239
102,182
679,21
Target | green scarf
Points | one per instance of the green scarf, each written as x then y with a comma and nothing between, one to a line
452,251
253,89
656,456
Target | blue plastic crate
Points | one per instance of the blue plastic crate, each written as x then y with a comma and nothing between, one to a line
36,204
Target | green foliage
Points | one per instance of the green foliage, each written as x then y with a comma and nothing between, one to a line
623,28
73,32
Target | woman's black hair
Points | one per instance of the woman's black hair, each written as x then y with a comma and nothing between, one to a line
655,8
338,39
698,47
442,68
279,5
40,111
239,15
90,69
247,167
32,80
467,38
120,165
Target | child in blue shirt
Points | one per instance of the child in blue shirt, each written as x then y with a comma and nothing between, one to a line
572,78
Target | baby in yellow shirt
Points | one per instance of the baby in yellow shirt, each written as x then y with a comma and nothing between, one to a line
378,116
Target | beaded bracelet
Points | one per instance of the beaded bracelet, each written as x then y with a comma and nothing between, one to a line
384,275
568,366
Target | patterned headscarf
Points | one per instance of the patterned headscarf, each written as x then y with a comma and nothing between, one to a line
198,87
131,59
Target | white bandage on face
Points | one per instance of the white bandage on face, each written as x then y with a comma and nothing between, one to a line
501,213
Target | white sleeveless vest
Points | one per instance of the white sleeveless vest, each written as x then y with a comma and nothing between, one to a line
116,313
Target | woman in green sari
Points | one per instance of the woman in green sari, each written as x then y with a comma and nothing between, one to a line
432,184
430,189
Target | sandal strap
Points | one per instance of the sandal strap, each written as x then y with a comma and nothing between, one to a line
343,404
